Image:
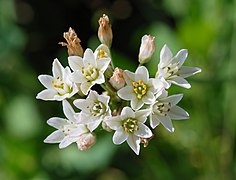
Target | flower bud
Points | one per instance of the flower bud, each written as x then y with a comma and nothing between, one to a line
104,31
117,80
73,43
147,48
86,141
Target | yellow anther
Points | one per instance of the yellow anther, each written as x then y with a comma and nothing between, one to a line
143,91
134,83
140,81
144,86
136,90
101,54
139,96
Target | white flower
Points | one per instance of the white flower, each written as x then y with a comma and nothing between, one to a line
58,86
140,89
94,109
164,109
130,127
146,49
102,51
88,71
171,69
68,130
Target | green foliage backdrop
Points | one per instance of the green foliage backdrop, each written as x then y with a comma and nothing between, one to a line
202,147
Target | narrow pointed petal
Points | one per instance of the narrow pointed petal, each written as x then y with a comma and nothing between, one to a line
77,77
127,112
166,122
47,94
177,112
142,73
66,142
134,143
180,57
68,111
174,99
56,122
154,122
126,93
93,125
177,80
55,137
57,69
129,77
46,81
81,129
100,79
136,104
142,115
148,98
186,71
165,56
103,63
89,58
75,63
143,131
85,87
119,136
114,122
81,104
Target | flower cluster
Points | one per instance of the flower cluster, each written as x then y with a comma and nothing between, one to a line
129,98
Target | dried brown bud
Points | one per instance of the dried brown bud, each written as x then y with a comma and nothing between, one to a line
73,43
145,141
104,31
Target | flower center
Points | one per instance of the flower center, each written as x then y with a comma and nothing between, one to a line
162,108
171,69
140,88
58,83
98,109
130,125
66,129
90,73
101,54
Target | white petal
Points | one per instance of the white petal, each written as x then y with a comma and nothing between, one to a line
186,71
148,98
47,94
46,81
57,69
143,131
75,63
129,77
154,120
92,126
180,82
68,111
81,129
180,57
119,136
100,79
58,97
89,58
83,104
103,63
142,73
66,142
126,93
85,87
56,137
93,96
57,122
166,122
136,103
165,56
114,122
177,112
142,115
127,112
157,84
174,99
134,142
104,99
77,77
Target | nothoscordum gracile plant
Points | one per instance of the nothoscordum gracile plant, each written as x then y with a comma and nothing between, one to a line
132,103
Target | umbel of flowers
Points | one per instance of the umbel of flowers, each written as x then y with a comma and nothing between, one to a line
132,103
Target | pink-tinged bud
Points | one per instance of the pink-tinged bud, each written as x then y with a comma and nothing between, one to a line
147,48
104,31
117,80
86,141
73,43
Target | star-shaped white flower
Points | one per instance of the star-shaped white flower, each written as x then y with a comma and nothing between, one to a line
140,89
88,71
68,130
130,127
58,86
94,109
164,109
171,70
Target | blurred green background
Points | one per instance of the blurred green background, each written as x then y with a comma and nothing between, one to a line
202,147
